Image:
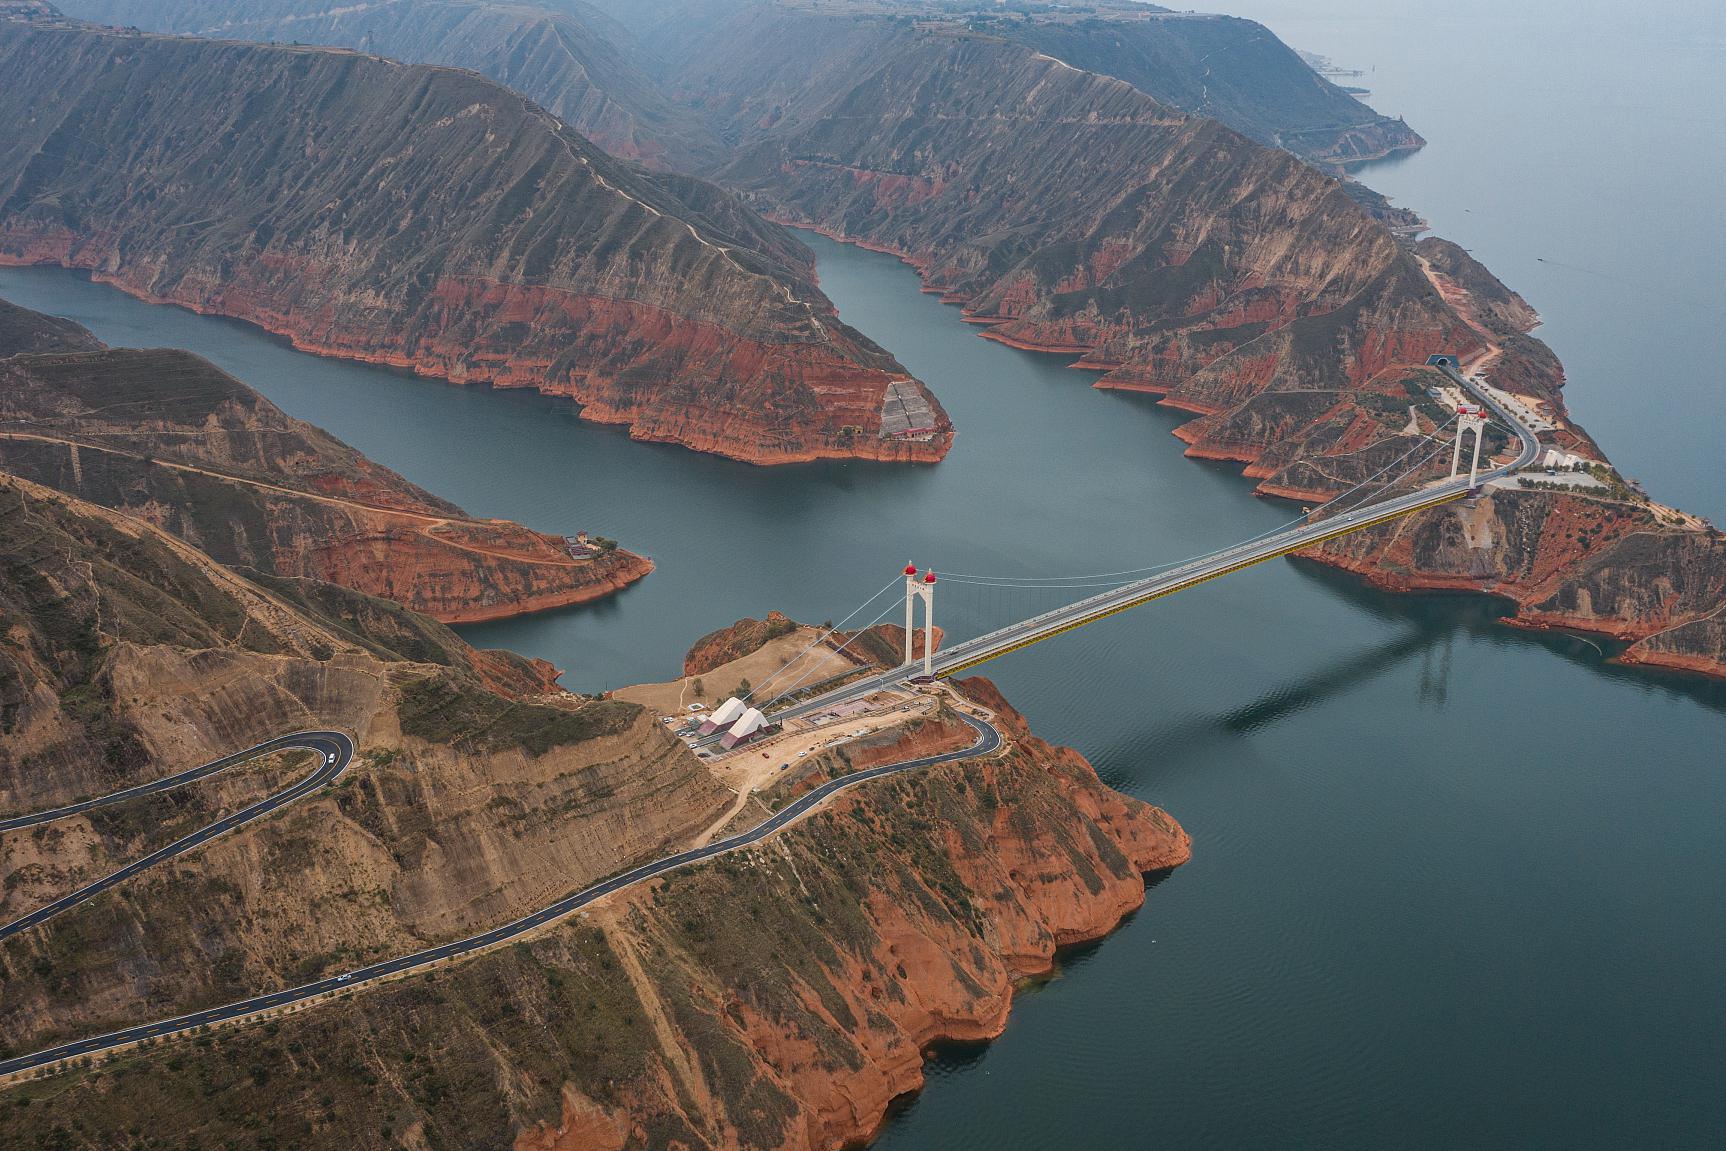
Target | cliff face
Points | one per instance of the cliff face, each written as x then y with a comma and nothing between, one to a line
430,219
166,436
776,998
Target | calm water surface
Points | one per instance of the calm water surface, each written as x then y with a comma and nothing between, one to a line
1453,885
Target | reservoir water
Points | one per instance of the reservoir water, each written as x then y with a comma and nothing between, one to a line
1453,885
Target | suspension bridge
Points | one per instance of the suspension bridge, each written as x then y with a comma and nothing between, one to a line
1350,511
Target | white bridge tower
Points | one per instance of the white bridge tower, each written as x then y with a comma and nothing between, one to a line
1469,418
920,589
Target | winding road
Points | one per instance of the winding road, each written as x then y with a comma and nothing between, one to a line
988,741
335,750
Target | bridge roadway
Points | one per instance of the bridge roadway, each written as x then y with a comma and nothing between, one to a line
988,741
963,656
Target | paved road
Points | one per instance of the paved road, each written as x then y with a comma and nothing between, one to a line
960,657
988,740
335,749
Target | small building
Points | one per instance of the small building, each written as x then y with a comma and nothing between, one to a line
724,715
749,725
1557,458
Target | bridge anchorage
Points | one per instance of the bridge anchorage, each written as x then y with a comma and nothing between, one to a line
920,589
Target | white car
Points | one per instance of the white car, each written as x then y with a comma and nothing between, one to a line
802,753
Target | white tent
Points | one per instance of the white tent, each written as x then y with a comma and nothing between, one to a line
724,715
747,725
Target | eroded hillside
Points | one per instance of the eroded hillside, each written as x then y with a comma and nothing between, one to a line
783,996
166,436
431,219
569,58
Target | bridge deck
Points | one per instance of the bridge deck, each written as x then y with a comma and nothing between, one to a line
964,656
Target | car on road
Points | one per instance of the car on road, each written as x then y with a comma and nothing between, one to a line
344,977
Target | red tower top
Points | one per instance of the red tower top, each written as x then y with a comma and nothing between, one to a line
930,578
910,569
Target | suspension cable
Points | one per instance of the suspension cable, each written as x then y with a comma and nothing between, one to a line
853,638
1067,580
821,638
1106,579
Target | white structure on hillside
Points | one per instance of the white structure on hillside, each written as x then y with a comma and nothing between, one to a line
724,715
747,727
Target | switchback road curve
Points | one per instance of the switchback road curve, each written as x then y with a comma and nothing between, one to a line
335,750
988,741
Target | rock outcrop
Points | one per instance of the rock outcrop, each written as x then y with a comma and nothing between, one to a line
431,219
721,647
167,437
